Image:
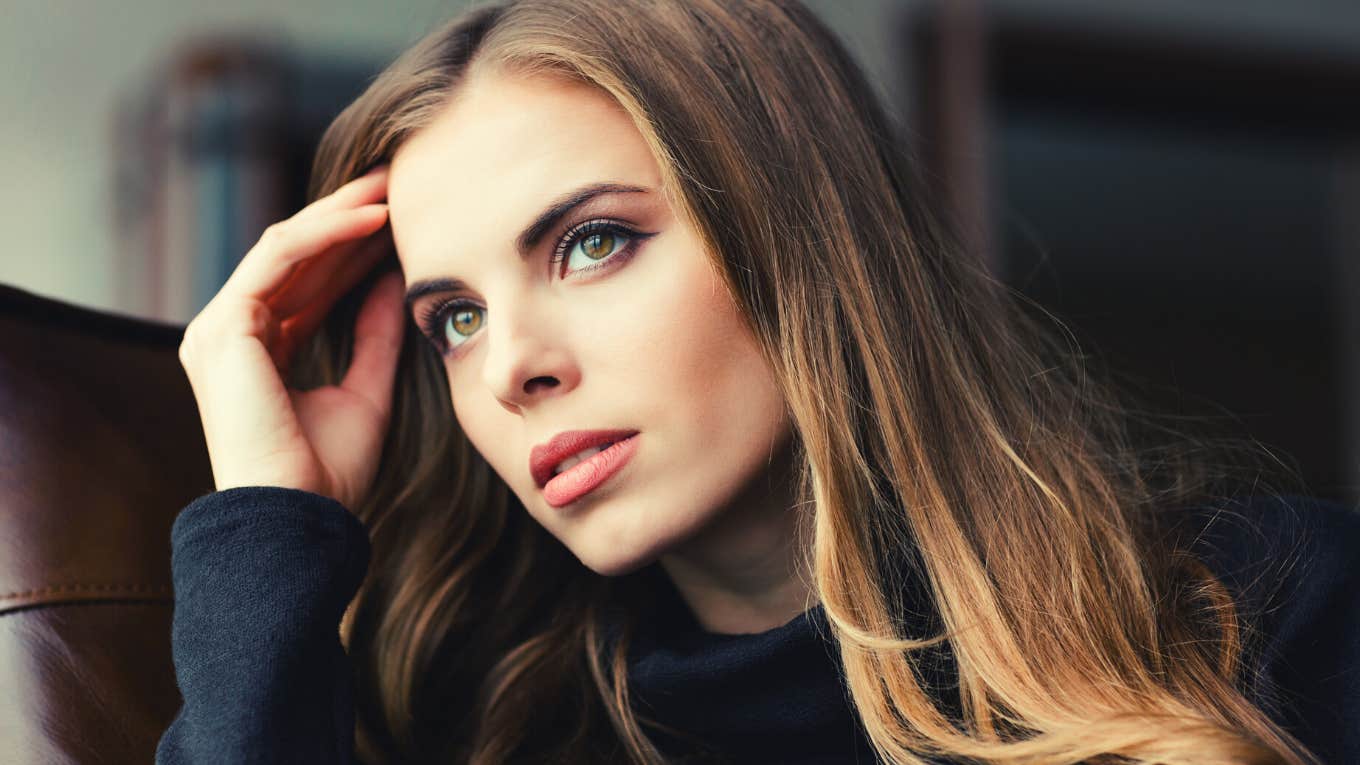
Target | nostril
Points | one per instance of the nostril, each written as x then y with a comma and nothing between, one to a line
532,384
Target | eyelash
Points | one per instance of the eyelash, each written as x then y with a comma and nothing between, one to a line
432,318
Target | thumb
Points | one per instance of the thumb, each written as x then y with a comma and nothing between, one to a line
378,331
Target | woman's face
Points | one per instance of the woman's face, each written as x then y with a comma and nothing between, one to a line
632,329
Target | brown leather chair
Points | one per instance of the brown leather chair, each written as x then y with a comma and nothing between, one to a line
100,447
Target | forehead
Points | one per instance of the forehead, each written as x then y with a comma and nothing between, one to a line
502,148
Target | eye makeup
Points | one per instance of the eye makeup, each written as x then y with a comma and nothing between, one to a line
432,319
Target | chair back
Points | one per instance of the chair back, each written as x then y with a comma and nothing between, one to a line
100,447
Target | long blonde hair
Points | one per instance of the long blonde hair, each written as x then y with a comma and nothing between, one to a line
944,431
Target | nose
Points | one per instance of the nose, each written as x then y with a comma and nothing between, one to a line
526,357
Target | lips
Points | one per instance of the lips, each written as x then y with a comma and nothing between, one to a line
543,458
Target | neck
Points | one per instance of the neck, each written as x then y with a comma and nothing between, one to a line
740,573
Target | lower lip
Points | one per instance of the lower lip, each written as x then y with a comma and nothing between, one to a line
582,478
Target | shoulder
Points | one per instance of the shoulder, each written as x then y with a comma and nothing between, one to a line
1292,563
1286,553
1300,541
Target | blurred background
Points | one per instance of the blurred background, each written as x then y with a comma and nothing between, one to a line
1178,181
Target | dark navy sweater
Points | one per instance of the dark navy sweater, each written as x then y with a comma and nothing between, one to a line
262,576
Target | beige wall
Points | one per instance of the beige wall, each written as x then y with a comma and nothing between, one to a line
65,64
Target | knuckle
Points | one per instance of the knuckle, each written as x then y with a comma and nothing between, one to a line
228,319
252,318
190,330
257,317
275,234
249,317
188,345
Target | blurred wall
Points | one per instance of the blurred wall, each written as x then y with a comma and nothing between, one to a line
66,63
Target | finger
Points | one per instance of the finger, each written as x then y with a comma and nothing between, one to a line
272,261
366,189
333,282
321,280
378,332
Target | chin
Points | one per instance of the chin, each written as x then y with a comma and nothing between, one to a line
610,563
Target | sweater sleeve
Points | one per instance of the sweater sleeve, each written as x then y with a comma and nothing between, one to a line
262,576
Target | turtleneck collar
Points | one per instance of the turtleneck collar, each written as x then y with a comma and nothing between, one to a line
775,696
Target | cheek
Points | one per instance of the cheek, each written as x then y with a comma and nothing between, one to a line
481,421
705,371
677,324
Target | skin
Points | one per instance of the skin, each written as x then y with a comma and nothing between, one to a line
651,342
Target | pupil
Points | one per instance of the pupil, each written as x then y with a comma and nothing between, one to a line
461,320
594,243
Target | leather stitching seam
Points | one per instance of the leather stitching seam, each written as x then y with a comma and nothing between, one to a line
139,588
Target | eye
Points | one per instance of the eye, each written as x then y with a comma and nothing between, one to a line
450,323
596,240
462,316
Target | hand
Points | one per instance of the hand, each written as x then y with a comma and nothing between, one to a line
237,349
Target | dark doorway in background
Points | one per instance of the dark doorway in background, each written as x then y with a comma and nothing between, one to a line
1187,207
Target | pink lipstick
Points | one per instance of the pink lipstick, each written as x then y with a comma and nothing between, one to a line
585,476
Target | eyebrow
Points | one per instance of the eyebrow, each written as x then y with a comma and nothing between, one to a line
532,234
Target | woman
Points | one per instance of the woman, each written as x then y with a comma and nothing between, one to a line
853,501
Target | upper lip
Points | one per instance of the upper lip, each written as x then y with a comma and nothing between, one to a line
544,457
